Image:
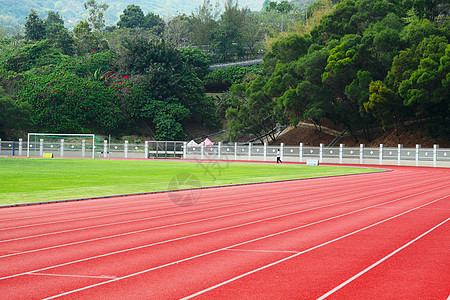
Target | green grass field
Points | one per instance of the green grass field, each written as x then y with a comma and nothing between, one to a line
35,180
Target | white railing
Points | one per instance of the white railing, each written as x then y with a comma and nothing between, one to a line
382,155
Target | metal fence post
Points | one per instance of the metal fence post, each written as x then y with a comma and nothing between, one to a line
83,148
282,151
184,150
0,146
146,149
399,154
41,147
219,150
301,152
249,151
381,154
126,149
235,150
61,150
321,153
341,153
417,154
202,150
265,151
105,148
20,147
361,153
435,154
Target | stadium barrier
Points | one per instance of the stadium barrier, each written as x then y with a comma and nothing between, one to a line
382,155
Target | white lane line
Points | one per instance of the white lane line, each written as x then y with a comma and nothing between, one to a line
176,214
244,243
214,218
302,252
154,209
380,261
259,250
71,275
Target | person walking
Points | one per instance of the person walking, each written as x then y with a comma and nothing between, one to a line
279,156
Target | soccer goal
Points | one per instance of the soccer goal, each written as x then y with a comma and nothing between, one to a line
61,145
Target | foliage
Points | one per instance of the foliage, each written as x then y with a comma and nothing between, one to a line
221,79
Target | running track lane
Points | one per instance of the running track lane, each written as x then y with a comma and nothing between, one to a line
372,236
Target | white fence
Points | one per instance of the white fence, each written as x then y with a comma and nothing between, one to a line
418,156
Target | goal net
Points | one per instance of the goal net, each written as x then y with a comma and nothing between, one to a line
61,145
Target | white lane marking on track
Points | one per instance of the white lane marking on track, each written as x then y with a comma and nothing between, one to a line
380,261
168,215
213,218
262,250
303,252
243,243
73,275
152,209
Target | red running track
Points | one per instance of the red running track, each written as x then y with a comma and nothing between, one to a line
370,236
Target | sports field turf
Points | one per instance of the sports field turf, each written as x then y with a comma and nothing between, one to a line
35,180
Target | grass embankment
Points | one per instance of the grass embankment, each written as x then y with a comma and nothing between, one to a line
36,180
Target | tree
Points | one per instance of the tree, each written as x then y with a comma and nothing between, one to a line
163,85
132,17
227,39
58,34
88,41
204,22
154,23
96,13
34,27
14,116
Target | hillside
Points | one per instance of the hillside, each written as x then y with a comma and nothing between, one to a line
14,12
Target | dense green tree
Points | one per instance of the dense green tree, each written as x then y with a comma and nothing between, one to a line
163,85
204,21
14,116
34,27
88,41
198,60
155,23
132,17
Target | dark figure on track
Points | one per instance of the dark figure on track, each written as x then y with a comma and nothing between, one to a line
279,156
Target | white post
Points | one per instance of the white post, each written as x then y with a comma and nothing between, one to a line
265,151
83,148
249,151
321,153
235,151
126,149
41,147
381,153
341,153
61,150
361,153
184,150
435,154
219,150
28,152
282,151
20,147
417,154
399,154
146,149
105,148
202,150
301,152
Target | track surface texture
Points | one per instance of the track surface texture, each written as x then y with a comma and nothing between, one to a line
370,236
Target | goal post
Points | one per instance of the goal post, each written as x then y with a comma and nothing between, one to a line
61,145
